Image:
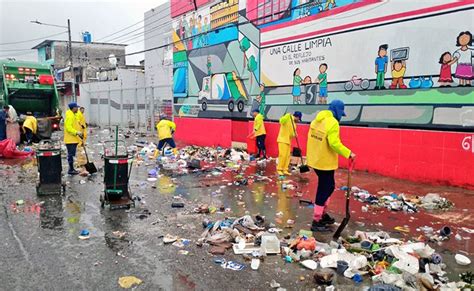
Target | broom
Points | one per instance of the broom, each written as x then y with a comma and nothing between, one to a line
303,168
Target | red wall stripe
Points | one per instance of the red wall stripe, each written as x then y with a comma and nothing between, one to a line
435,157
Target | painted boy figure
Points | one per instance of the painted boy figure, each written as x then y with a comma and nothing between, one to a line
381,66
398,72
322,80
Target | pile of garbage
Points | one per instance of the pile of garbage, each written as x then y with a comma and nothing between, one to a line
374,257
189,156
400,202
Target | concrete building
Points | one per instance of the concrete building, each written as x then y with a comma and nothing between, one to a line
159,62
120,100
87,58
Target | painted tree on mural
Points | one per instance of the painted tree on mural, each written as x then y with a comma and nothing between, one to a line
244,47
252,66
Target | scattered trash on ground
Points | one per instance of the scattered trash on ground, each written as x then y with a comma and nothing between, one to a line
128,282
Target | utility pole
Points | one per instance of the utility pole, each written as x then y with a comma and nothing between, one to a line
71,68
73,76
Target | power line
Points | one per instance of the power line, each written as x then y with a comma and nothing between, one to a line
34,39
15,50
17,54
121,30
212,30
137,35
142,27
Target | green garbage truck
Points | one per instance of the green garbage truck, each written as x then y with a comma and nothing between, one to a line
30,87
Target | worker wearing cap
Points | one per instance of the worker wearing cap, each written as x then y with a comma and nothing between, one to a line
324,146
259,132
82,122
165,129
30,127
73,135
286,134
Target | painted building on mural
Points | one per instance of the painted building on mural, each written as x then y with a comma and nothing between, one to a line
395,63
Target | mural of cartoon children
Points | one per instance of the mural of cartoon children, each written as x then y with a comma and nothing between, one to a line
199,24
381,66
330,2
445,74
322,80
206,27
186,27
464,55
398,72
193,23
306,80
199,38
296,92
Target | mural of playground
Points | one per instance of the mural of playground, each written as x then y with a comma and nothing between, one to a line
302,54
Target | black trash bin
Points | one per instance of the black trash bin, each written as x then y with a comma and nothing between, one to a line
48,157
116,176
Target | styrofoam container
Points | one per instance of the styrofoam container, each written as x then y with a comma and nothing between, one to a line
270,243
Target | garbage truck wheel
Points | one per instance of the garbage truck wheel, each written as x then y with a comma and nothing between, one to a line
204,106
230,106
240,105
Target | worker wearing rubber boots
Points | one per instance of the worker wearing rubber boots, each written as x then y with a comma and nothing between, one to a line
30,127
73,135
324,146
287,133
82,122
260,133
165,129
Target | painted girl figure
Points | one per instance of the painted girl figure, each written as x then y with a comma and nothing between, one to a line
445,75
296,92
464,55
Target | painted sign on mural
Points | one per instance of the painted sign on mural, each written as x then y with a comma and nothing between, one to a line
381,51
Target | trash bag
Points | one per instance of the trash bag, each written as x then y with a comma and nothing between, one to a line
8,150
247,221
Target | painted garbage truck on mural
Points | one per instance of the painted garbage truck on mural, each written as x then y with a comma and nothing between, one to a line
225,88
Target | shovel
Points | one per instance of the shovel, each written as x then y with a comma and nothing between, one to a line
303,168
90,167
345,221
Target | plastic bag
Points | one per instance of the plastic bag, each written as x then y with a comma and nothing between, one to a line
8,150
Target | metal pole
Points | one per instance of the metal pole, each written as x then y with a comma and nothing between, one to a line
73,77
152,109
121,105
109,113
137,120
98,110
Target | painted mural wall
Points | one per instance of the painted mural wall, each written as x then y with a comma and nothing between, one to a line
394,62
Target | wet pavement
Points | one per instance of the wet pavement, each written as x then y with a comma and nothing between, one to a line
40,248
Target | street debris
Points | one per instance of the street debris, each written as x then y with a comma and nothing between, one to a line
128,282
399,202
84,235
383,260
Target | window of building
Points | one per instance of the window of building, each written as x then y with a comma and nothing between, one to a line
78,75
47,52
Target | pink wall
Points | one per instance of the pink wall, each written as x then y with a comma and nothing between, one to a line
179,7
436,157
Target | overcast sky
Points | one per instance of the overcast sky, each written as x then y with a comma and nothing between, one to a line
99,17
